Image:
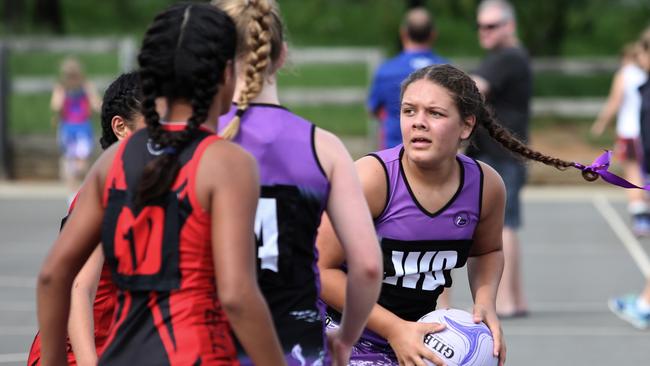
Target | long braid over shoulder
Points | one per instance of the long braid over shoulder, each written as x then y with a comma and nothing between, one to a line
183,57
470,102
510,142
259,44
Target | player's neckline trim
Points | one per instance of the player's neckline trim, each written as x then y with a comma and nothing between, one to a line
461,184
269,105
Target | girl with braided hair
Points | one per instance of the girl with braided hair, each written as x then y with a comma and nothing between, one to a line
303,172
121,109
94,297
184,269
434,210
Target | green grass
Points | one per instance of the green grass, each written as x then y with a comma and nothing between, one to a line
341,120
323,75
30,114
315,75
47,64
578,126
549,84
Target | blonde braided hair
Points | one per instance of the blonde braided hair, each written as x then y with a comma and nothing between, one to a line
259,43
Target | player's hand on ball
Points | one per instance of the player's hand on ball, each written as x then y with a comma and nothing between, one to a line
340,351
406,340
490,318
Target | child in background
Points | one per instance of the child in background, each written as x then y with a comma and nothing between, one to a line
624,101
73,100
635,309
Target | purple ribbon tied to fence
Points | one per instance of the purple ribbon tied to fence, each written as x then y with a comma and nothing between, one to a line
600,168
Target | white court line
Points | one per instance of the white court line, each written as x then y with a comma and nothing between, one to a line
13,357
538,193
31,190
569,307
18,330
578,307
25,247
537,307
571,331
535,247
570,194
18,306
624,234
17,282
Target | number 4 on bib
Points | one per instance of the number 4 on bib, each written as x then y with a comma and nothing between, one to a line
266,233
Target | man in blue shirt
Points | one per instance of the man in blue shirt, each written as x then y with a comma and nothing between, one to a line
417,34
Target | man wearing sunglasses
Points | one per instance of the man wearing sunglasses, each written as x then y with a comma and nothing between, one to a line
504,76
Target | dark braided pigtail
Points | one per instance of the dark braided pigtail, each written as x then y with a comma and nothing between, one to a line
183,59
159,174
470,102
122,98
510,142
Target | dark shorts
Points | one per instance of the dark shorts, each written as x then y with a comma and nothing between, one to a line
514,177
370,349
627,149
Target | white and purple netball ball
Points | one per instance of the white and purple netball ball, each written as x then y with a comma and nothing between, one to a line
462,342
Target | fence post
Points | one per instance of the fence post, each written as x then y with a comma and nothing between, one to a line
5,148
373,60
127,53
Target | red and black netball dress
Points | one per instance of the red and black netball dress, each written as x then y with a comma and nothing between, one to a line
103,308
160,257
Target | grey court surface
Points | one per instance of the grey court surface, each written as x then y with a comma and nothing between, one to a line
577,252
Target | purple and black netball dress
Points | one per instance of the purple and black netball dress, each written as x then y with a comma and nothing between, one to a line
420,248
294,194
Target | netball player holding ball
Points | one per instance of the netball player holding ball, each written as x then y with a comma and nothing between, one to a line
434,210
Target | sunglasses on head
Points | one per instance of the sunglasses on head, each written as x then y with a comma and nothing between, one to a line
489,26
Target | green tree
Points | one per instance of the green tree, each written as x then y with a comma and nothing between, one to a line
542,25
48,13
13,16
